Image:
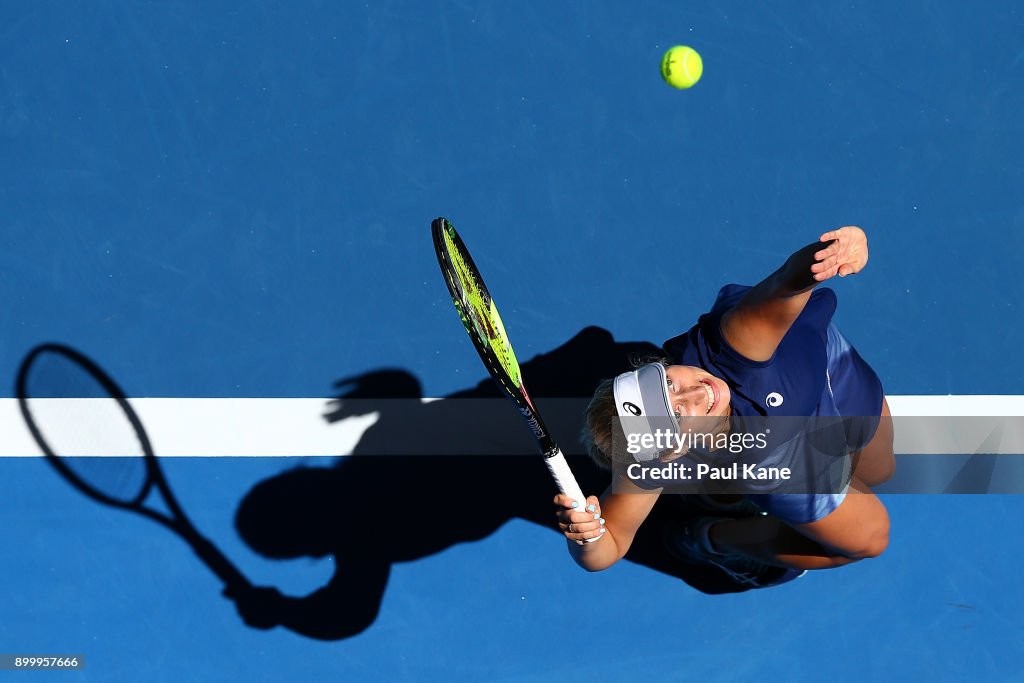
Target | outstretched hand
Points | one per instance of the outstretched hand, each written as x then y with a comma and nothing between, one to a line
846,254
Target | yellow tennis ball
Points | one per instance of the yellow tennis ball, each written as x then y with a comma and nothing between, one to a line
681,66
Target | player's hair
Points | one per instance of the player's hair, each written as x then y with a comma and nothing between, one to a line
600,423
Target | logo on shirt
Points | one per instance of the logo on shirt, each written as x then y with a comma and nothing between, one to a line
774,399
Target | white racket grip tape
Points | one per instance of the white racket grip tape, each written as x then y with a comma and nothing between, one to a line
566,482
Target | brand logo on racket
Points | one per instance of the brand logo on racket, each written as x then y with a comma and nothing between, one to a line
774,399
633,408
532,421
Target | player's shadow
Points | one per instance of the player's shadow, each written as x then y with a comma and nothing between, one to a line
426,476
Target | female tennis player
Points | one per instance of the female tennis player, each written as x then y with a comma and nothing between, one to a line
762,351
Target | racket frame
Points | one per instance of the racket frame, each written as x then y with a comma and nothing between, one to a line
177,521
553,457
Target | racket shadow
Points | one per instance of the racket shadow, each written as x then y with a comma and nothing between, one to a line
370,512
88,431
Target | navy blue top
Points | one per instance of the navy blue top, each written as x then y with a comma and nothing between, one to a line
795,385
796,373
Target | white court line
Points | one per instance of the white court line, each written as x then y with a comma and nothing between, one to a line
276,427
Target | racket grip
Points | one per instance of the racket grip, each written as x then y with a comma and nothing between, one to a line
560,472
215,560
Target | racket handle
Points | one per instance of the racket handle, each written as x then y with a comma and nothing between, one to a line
215,560
565,480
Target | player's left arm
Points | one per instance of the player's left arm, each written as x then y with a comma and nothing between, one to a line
756,325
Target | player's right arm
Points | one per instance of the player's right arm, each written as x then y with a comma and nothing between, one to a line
623,513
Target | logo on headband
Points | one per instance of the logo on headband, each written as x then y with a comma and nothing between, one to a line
632,407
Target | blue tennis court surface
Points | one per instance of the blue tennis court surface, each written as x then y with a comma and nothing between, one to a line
232,201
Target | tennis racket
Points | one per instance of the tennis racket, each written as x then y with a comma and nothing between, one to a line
89,432
482,322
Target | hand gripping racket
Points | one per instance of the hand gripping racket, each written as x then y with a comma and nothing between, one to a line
480,316
89,432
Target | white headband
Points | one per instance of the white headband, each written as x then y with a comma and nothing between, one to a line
644,404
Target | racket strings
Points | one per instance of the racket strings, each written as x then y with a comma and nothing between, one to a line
121,478
85,427
478,312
